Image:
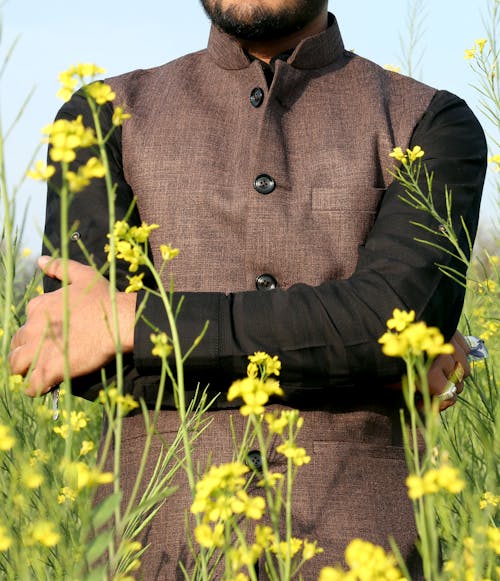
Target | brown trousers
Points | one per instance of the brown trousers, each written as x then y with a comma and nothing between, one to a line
352,488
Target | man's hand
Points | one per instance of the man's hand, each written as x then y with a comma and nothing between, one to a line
445,366
38,344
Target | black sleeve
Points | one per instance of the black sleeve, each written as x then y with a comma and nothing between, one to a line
327,336
88,212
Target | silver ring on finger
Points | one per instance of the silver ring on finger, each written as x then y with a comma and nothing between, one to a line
450,393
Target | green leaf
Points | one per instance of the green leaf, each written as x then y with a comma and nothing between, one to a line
97,574
98,545
106,509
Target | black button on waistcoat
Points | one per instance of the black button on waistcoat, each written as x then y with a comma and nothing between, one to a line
265,282
256,97
254,460
264,184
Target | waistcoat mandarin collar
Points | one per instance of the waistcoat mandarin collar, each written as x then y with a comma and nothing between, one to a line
313,52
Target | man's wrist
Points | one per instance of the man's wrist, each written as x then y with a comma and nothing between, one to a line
126,303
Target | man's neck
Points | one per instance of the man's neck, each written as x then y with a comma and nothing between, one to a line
266,50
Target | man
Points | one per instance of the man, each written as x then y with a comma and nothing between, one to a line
265,158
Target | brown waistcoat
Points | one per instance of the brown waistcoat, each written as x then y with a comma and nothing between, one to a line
191,152
195,145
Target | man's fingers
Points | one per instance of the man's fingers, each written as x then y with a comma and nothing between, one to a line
40,382
53,267
20,360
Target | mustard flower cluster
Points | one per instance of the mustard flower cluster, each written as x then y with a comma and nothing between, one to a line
111,398
43,532
66,137
77,74
489,499
79,475
77,421
366,562
405,337
477,49
161,345
130,245
276,424
487,539
79,180
434,480
256,389
7,440
220,494
409,157
263,365
5,539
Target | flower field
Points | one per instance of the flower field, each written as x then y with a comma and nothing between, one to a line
50,470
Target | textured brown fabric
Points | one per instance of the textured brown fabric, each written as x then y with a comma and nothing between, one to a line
191,152
352,488
194,146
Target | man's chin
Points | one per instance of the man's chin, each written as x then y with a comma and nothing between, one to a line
254,22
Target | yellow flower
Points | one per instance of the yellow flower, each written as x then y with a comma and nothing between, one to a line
480,43
408,157
276,424
44,532
86,447
400,320
5,539
31,478
39,456
496,160
298,455
415,153
254,392
162,347
263,363
414,339
470,53
167,252
444,478
416,488
310,550
87,70
42,171
493,535
66,136
66,494
101,92
70,78
397,154
264,536
140,234
119,116
83,476
124,403
208,537
392,68
331,574
283,547
370,562
270,479
489,499
252,507
81,179
215,492
7,441
135,283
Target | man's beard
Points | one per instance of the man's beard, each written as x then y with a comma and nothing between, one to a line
262,23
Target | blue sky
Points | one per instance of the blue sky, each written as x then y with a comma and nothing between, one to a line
122,36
